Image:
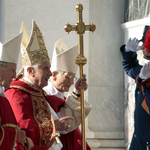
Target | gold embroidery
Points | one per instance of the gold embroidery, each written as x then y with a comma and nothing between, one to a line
39,106
44,119
30,55
45,93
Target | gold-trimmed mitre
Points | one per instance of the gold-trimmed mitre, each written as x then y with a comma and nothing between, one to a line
33,49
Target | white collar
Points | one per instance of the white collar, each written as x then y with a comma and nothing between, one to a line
25,78
2,90
50,89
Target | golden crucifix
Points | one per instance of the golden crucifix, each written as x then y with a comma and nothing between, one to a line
80,60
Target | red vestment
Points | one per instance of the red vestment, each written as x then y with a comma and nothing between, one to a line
71,140
32,112
8,134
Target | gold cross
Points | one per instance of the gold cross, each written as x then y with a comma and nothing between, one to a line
80,28
80,60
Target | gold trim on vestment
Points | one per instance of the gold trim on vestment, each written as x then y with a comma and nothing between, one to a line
28,91
43,117
15,141
2,136
9,125
2,95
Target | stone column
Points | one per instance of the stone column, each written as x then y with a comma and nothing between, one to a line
105,71
2,21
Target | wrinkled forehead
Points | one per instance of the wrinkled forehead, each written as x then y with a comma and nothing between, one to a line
12,65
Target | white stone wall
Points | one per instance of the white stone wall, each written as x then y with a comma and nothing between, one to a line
2,21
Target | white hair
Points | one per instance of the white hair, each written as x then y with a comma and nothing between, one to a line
26,67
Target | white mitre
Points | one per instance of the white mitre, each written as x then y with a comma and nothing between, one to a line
64,58
9,51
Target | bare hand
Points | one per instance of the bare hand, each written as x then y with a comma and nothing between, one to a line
28,144
80,85
21,135
63,123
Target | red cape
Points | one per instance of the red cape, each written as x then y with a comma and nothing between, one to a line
7,132
29,106
72,140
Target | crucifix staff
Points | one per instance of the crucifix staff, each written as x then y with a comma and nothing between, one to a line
80,60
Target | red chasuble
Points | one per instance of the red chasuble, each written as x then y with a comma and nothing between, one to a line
8,135
71,140
32,113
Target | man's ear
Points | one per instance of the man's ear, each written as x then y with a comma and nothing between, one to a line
31,71
54,75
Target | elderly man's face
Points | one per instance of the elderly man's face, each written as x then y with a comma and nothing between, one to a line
42,74
63,81
7,74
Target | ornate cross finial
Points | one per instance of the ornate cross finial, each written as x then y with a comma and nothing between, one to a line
80,28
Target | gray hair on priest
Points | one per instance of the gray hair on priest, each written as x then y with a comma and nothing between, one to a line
4,64
34,66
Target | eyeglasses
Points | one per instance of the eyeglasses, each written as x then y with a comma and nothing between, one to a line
69,77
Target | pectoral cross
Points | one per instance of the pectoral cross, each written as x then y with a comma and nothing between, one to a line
80,60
